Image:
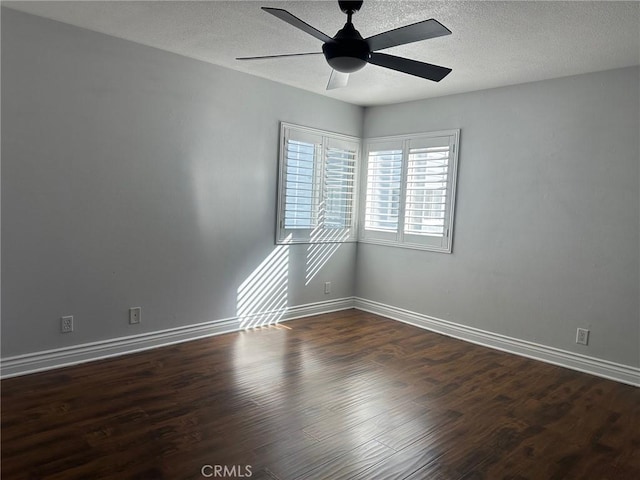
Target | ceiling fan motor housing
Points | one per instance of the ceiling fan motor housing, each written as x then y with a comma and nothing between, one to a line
347,52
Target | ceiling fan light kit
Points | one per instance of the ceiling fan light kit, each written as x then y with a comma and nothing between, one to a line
348,52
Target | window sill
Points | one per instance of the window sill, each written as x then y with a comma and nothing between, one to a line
410,246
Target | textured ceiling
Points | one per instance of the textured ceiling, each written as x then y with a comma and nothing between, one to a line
493,43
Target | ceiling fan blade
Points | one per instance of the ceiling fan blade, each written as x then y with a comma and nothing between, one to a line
412,67
296,22
407,34
279,56
337,80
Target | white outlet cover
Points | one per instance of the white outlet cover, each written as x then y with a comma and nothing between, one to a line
582,336
135,315
66,324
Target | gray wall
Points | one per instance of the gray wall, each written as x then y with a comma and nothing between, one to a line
547,219
136,177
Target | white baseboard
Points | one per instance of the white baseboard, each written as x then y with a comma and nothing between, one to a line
62,357
601,368
47,360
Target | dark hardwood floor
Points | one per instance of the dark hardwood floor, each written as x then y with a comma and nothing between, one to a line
347,395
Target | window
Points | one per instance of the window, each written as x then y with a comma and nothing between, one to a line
317,189
409,190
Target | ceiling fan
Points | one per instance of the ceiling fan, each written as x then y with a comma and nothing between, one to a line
348,52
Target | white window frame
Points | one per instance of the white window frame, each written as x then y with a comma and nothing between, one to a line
399,237
319,233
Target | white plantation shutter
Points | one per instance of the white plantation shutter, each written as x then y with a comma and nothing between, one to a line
339,184
301,192
317,189
383,189
410,190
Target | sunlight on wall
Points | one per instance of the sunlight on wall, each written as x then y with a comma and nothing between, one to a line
325,243
262,297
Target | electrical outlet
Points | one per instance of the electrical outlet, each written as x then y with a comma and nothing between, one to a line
135,315
582,336
327,288
66,324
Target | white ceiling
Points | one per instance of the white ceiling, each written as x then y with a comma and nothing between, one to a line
493,43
